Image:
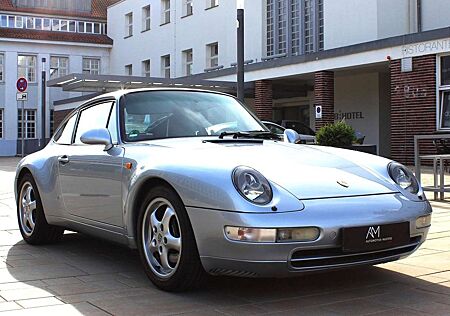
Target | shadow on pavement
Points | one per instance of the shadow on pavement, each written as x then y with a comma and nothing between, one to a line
97,277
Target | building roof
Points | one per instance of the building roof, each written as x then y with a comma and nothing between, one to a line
55,36
98,10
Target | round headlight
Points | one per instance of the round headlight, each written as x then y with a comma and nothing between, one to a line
252,185
404,178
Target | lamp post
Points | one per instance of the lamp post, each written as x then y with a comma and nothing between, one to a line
240,49
43,101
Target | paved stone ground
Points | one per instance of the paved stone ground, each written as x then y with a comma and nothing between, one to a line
85,276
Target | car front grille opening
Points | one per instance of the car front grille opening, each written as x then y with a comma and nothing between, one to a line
317,258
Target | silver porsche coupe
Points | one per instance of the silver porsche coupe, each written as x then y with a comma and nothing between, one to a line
199,185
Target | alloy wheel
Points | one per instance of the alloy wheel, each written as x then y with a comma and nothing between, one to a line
161,237
27,209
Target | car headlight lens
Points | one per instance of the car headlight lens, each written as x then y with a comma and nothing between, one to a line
252,185
272,235
404,178
423,221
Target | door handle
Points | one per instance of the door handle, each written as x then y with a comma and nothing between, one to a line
63,159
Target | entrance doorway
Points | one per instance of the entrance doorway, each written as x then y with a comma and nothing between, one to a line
293,113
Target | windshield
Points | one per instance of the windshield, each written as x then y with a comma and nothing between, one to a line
165,114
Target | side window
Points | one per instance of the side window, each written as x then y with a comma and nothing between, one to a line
64,136
94,117
112,125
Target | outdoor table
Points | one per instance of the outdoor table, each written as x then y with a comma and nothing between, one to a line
438,165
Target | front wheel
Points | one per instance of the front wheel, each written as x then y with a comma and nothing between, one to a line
166,242
32,223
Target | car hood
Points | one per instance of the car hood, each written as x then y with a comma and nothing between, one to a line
307,171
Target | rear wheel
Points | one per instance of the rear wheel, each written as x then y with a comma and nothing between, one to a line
166,242
32,223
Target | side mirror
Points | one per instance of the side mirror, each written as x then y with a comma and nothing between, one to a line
100,136
291,136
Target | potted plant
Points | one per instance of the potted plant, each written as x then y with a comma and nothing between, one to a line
342,135
338,134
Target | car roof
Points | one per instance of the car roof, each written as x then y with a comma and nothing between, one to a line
119,93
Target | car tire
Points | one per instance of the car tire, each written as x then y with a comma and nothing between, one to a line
30,214
168,252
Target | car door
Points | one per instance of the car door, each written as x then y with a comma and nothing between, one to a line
90,177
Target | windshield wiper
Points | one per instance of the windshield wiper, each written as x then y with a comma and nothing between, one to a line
234,134
250,134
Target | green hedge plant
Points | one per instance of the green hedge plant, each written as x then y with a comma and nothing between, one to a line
339,134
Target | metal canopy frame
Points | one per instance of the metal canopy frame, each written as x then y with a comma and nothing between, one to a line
109,83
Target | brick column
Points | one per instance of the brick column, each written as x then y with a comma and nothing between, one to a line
413,107
264,99
324,96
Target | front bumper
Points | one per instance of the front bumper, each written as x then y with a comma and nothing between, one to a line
219,255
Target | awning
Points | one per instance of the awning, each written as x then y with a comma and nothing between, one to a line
109,83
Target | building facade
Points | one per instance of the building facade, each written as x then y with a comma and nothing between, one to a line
70,36
381,65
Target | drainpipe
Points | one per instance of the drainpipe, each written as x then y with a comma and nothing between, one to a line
419,15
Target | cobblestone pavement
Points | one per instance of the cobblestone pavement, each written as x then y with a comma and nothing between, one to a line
86,276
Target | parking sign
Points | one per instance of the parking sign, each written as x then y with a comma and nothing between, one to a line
22,84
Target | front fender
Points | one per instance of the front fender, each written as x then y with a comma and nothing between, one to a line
201,188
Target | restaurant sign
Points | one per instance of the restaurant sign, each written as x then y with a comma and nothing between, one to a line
425,48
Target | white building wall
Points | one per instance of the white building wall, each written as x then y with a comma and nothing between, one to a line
194,32
396,17
11,49
435,14
360,93
348,22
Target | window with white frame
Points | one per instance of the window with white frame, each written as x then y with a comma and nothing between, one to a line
91,66
19,22
129,24
2,67
1,123
26,67
30,23
165,11
212,3
188,60
188,8
38,24
64,26
212,53
29,124
165,66
294,27
48,24
146,18
59,66
146,68
129,70
444,92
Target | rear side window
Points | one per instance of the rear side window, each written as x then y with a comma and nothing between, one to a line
64,137
92,118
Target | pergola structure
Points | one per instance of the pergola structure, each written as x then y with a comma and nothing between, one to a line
109,83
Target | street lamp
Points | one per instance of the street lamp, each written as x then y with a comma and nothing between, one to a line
240,49
43,100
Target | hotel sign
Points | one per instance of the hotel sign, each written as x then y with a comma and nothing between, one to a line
425,48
